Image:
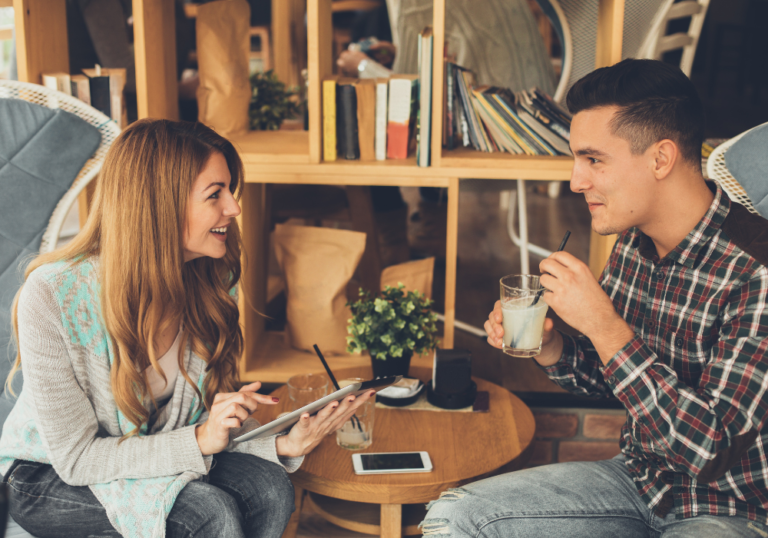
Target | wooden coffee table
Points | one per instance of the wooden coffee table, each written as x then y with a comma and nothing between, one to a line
464,447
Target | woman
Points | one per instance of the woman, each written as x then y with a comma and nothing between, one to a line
129,338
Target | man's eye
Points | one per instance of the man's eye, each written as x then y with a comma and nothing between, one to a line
592,160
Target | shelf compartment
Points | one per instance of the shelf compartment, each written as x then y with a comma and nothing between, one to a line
274,360
465,162
278,147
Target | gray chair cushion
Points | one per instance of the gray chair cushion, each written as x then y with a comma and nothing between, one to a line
41,152
747,161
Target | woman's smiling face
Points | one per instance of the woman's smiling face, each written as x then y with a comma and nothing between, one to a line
210,210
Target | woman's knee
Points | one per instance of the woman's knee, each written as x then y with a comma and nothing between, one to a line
204,510
263,487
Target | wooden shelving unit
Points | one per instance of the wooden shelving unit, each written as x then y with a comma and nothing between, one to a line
295,156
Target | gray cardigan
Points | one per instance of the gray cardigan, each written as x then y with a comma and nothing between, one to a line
66,415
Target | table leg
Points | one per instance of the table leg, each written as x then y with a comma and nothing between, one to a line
391,521
293,523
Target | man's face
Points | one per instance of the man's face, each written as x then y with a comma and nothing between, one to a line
619,187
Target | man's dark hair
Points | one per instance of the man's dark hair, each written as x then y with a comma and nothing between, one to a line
656,101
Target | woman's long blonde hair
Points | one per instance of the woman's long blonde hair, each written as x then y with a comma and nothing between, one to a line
135,227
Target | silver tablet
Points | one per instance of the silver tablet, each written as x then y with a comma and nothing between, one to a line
286,421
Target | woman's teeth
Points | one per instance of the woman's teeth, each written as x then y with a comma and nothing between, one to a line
219,230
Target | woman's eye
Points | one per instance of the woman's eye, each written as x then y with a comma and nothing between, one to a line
215,195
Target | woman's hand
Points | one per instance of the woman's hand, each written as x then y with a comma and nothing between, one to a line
309,431
229,410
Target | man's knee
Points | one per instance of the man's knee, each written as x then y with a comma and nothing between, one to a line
449,514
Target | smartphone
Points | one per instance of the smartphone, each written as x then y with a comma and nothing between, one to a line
391,462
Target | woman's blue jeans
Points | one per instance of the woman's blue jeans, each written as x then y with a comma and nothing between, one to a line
244,496
568,500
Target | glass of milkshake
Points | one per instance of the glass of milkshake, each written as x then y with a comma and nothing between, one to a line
523,315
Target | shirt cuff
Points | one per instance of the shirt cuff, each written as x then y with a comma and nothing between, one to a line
628,364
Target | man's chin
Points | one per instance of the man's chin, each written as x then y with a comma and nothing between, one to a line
605,229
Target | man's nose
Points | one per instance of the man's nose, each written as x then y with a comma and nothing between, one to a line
579,179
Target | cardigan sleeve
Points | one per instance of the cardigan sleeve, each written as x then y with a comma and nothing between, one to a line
77,447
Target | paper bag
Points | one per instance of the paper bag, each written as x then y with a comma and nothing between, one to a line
415,276
317,264
223,46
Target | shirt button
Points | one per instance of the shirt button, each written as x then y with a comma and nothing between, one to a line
658,275
651,324
612,380
679,342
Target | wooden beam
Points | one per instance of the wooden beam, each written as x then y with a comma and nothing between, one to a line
157,86
438,45
41,38
319,39
451,255
610,32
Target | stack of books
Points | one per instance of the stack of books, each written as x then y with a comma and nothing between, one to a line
382,118
102,88
491,119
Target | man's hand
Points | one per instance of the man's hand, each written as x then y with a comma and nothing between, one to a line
349,60
575,295
551,341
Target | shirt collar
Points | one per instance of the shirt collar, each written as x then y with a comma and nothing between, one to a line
686,252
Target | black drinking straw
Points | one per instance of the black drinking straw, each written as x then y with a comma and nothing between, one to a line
561,247
355,420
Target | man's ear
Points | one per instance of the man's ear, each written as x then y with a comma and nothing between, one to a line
665,154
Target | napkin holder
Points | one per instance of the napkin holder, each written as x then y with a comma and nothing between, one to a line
452,386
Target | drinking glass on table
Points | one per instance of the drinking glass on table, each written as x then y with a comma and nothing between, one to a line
523,315
357,432
304,389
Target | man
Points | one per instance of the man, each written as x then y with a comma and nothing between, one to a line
675,329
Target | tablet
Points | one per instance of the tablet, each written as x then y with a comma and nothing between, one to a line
286,421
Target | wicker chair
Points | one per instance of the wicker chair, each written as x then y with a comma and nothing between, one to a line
717,170
40,95
108,129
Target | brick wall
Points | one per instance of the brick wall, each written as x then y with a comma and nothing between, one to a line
573,434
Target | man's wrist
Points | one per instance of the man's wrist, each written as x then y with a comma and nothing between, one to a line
613,338
552,351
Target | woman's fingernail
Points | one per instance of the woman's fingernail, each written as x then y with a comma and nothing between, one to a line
275,400
373,392
351,400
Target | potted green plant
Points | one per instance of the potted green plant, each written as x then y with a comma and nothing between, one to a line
271,102
391,326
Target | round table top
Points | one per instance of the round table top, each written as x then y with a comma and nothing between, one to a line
463,447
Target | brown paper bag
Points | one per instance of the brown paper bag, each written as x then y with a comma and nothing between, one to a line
223,45
317,264
415,275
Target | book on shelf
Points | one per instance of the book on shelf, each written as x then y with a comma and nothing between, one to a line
449,121
107,86
403,90
424,118
81,88
329,119
366,118
346,119
57,81
382,86
495,119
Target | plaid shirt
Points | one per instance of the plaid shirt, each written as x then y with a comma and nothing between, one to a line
694,377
